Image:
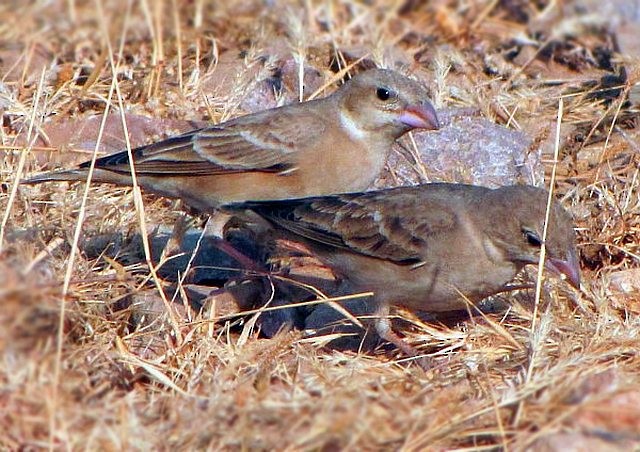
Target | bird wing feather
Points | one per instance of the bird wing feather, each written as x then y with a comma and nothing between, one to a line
372,224
265,142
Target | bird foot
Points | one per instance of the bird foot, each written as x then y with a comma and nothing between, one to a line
383,327
246,263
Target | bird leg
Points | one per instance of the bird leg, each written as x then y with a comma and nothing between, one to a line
294,247
385,331
246,263
225,230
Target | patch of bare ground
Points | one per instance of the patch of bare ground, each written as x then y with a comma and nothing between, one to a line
93,357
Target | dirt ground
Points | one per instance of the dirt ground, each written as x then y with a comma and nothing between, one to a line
96,351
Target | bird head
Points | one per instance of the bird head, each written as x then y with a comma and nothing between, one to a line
382,100
520,233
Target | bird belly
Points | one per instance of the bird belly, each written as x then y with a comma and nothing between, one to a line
210,192
351,167
439,286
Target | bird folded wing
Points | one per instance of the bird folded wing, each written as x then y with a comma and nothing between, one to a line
238,146
260,141
394,228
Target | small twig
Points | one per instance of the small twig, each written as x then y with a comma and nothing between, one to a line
286,306
23,159
543,251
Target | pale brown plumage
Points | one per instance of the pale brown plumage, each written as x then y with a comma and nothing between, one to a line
335,144
426,247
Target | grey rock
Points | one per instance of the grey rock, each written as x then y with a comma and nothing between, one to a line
467,149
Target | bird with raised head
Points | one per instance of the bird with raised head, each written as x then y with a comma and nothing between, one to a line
335,144
430,247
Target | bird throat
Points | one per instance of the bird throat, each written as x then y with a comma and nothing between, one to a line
351,127
494,252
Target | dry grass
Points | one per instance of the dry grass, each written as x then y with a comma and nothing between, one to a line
76,373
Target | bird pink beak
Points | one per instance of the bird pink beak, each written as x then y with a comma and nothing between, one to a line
570,268
421,116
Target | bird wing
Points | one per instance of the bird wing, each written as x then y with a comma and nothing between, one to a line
392,224
265,142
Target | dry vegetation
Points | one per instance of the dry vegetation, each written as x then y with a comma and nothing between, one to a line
79,370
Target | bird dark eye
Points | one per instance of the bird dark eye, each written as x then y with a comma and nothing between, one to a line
533,239
383,93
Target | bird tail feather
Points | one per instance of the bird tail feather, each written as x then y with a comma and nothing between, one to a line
63,175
